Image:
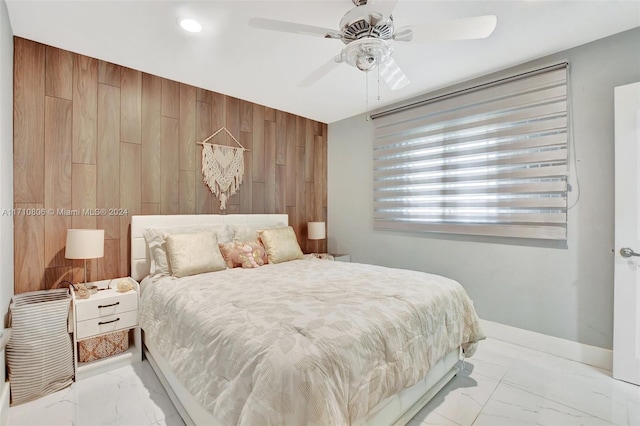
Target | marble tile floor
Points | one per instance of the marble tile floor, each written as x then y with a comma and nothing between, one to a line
503,384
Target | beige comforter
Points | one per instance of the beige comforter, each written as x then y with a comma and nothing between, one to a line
309,342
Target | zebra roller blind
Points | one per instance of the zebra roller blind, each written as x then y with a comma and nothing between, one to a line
491,160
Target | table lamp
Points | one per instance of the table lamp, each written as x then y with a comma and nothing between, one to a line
316,231
84,244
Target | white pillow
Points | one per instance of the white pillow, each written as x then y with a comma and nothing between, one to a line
250,232
157,248
191,254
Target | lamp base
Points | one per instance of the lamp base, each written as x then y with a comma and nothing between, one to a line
93,289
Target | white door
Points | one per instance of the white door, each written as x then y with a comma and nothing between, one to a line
626,318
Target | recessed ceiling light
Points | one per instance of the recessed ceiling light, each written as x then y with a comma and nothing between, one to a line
191,25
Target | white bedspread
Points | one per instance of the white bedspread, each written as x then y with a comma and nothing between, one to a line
304,342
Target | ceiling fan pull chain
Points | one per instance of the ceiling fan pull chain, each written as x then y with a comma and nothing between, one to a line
366,88
378,82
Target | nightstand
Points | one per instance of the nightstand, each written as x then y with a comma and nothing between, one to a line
341,257
105,312
330,256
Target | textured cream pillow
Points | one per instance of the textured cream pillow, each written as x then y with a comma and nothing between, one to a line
191,254
155,238
281,244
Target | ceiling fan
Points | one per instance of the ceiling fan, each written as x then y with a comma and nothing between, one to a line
368,32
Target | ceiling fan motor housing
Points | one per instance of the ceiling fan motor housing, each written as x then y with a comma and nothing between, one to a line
364,21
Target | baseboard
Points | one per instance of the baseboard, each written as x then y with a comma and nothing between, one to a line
586,354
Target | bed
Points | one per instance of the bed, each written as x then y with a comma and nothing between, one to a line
302,341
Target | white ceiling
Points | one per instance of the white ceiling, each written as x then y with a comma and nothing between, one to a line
264,66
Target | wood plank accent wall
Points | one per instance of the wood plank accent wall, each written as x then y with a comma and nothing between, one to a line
89,134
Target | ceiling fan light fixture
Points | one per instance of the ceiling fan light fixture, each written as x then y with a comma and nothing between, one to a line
366,54
366,62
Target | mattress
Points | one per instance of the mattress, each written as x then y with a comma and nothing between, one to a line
307,341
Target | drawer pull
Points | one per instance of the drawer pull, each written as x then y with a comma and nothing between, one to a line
106,306
108,322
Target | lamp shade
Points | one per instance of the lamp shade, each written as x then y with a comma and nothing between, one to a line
316,230
84,243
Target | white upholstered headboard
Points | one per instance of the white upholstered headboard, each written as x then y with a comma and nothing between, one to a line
140,262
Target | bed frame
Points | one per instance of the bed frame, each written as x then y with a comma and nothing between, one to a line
396,410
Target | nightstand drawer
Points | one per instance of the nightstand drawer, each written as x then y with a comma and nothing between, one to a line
106,324
105,304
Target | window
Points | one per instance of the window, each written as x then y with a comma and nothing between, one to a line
489,160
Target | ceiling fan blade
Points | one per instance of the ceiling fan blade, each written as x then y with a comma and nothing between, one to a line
458,29
321,72
384,7
392,75
292,27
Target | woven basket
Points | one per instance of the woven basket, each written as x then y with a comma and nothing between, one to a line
39,352
103,346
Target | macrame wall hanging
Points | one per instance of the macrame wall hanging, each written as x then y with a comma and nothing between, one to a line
222,167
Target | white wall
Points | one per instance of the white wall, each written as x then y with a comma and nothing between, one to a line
6,158
548,287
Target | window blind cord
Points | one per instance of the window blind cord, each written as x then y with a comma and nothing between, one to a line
572,141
